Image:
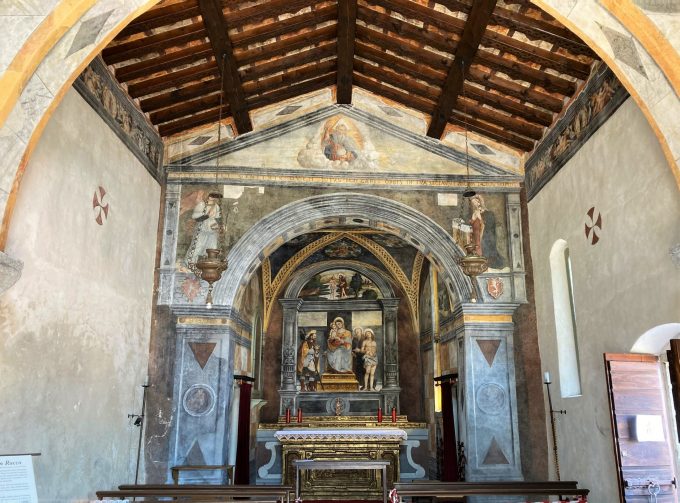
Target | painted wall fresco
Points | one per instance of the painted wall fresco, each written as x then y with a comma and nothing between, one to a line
342,143
243,206
339,284
342,343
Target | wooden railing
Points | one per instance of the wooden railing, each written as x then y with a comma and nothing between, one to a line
458,491
196,493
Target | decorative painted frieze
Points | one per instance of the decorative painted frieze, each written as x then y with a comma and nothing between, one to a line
101,91
600,98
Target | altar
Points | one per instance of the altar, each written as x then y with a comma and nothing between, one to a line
341,444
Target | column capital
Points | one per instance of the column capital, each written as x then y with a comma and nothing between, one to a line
390,303
291,303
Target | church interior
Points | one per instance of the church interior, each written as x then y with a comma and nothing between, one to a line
437,237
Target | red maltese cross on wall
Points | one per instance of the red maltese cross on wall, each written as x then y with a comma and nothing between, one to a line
593,225
101,210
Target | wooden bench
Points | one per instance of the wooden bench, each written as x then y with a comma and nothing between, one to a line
201,492
459,491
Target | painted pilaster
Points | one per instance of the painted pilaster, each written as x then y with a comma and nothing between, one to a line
203,387
487,383
288,389
169,251
514,215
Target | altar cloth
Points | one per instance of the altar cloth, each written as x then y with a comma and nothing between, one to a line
331,434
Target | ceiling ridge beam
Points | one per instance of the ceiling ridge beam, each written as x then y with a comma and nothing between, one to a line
347,22
478,19
217,28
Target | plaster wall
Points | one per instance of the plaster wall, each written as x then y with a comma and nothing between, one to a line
74,330
623,285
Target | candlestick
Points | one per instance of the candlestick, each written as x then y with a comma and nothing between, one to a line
546,378
288,415
380,414
394,414
552,425
299,415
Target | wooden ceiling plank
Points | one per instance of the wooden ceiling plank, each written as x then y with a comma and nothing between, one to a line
347,21
292,76
494,133
407,84
478,18
422,72
292,91
168,61
182,94
162,16
286,45
264,11
171,80
290,25
484,77
534,54
441,42
194,121
280,64
521,71
155,43
508,123
185,108
218,29
408,100
419,12
500,102
385,42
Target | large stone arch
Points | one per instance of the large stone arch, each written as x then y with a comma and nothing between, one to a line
38,67
360,210
304,275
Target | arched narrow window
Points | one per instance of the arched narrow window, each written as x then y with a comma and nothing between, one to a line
565,319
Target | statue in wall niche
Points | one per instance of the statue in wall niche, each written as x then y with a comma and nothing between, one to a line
308,363
339,353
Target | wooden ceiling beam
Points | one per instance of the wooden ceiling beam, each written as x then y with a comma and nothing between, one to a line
493,132
196,120
289,44
525,93
161,16
347,21
290,25
424,14
518,70
154,43
281,64
174,79
395,79
148,67
185,108
477,20
218,32
406,99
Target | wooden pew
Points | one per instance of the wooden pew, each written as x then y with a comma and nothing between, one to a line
458,491
201,492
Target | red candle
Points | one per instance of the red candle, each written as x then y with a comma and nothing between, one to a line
299,415
380,414
394,414
288,415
